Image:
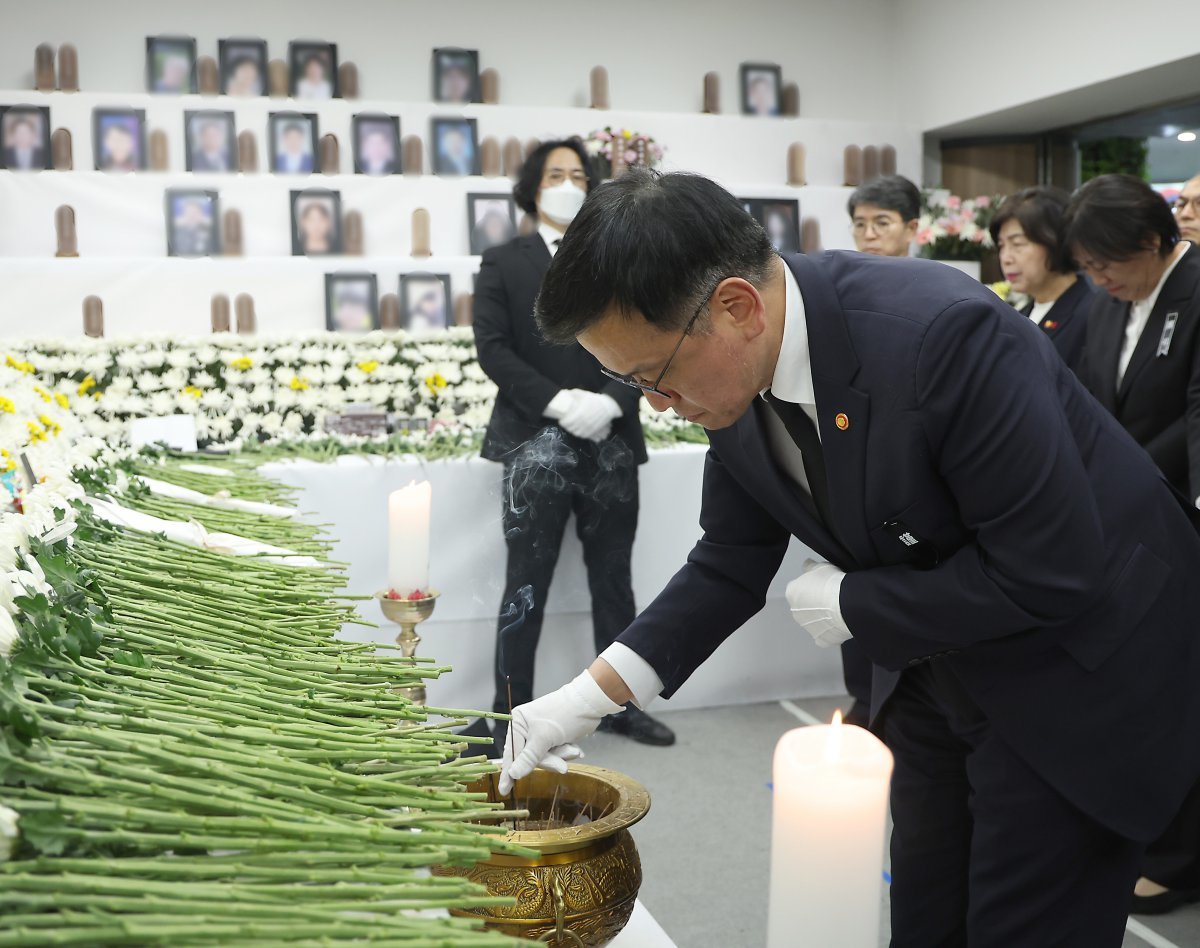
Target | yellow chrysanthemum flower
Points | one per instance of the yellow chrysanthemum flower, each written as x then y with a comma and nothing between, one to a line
86,386
7,405
193,391
20,366
298,384
63,401
436,382
242,363
369,366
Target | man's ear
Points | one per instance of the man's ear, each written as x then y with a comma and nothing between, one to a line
742,305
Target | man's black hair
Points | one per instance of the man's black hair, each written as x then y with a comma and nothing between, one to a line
650,244
892,192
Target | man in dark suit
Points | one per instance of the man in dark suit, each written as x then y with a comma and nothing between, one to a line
569,438
1142,362
1014,565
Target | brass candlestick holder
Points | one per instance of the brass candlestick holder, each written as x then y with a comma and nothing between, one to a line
408,614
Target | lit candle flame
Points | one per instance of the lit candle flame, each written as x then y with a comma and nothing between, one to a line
833,743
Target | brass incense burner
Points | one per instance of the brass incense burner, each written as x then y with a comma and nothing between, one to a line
581,888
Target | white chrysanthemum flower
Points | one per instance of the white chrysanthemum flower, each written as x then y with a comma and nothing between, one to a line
261,396
182,358
149,382
204,379
175,378
162,403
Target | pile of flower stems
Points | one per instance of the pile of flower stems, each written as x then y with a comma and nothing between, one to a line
223,771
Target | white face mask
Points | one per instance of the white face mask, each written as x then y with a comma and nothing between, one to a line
561,203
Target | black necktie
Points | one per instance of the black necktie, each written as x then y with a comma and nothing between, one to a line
804,433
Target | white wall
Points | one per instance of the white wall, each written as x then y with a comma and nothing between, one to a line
972,58
656,51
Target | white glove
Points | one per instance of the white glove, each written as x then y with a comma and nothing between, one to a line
815,598
591,415
543,732
560,404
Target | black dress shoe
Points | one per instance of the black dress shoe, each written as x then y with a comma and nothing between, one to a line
1164,902
637,725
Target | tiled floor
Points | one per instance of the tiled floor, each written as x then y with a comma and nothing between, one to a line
705,875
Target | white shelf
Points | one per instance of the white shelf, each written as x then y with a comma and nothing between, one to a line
725,147
121,226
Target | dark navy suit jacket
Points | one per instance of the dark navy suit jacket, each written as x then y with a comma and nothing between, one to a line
1064,593
1066,322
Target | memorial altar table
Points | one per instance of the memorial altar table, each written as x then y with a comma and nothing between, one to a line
769,658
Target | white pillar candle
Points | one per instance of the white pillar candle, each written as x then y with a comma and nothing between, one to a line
408,538
827,837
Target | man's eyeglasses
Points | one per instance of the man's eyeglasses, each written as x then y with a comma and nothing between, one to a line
652,387
558,176
1181,204
881,225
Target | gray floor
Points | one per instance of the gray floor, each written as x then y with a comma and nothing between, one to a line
706,869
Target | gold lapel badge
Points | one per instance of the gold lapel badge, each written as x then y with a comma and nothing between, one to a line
842,420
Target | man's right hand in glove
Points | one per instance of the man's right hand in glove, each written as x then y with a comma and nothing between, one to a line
544,731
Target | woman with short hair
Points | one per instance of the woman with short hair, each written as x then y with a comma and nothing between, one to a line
1028,233
1142,361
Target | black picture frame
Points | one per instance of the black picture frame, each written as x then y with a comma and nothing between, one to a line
133,123
302,232
482,211
780,218
456,75
197,157
415,317
353,288
445,159
302,86
756,98
279,124
175,51
192,235
368,123
15,118
232,55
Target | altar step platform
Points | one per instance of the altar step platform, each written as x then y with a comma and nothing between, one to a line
770,657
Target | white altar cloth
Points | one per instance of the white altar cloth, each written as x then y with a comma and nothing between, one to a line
768,659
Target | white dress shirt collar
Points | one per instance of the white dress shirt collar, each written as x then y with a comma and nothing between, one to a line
549,235
1147,305
792,380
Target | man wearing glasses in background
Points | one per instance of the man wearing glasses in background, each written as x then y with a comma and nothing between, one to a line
569,438
1187,211
884,215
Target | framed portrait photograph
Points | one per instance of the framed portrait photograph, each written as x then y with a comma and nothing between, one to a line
243,64
351,302
25,137
492,219
211,141
119,139
293,139
316,223
425,302
376,144
762,85
456,75
780,218
171,64
455,146
193,224
312,70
